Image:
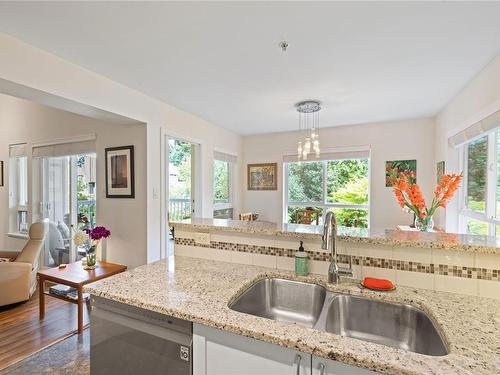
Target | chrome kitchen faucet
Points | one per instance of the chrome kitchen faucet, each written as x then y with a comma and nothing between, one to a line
329,242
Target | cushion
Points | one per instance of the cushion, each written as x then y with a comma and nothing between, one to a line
63,228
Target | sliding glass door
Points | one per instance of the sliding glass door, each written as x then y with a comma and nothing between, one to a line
67,199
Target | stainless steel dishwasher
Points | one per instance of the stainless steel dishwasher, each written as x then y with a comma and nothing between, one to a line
129,340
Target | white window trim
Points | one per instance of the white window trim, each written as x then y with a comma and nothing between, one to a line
324,205
489,216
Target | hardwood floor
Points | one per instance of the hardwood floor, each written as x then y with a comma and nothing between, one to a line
22,333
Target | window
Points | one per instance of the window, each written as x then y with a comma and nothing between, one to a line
222,189
339,183
66,197
480,203
64,193
18,189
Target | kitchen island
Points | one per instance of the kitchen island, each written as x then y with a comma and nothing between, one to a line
200,290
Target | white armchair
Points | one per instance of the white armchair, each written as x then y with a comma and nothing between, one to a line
18,278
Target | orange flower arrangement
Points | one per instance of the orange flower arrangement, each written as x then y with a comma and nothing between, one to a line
409,195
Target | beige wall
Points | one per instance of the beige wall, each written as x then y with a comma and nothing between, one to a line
33,68
398,140
25,121
478,99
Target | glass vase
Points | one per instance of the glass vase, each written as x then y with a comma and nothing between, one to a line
425,224
91,258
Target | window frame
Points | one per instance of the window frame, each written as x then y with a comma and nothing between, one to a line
489,216
324,204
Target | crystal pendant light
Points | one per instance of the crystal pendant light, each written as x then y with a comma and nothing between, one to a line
308,124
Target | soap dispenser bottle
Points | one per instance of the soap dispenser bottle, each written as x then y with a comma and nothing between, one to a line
301,261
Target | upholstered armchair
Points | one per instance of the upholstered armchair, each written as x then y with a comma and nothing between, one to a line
18,278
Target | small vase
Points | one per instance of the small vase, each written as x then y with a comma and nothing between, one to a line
425,224
91,258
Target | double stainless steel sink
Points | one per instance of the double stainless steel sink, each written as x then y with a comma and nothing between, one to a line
310,305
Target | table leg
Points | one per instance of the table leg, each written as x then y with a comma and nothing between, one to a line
80,310
41,297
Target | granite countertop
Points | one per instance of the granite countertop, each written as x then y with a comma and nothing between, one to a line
390,237
200,290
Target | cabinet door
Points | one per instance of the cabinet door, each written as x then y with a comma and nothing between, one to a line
216,352
322,366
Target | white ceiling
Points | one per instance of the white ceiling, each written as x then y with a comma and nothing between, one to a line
365,62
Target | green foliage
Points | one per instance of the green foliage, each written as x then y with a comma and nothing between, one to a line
80,161
354,192
179,152
305,182
477,227
477,154
351,217
180,157
81,189
221,181
341,172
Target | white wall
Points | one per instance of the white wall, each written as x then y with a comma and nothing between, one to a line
34,68
28,122
399,140
478,99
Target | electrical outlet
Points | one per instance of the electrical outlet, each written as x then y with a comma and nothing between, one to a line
202,238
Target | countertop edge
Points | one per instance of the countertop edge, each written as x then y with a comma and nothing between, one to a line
375,240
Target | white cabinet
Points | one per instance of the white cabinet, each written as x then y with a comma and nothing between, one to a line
216,352
322,366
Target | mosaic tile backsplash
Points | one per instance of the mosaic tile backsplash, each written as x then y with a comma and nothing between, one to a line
467,272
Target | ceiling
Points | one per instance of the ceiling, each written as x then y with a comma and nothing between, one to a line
365,62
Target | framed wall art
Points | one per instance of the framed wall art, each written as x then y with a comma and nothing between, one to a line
408,167
262,176
120,175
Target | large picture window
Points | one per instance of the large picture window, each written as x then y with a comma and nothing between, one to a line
339,183
480,203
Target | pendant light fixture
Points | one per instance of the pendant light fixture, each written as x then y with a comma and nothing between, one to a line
309,128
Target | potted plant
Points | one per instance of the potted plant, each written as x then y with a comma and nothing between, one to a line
410,197
89,239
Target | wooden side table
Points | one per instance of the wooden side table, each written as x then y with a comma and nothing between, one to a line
74,276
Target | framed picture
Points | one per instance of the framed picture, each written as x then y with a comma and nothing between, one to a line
439,171
262,176
120,179
408,167
1,173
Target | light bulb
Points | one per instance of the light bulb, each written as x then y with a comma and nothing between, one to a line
307,145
